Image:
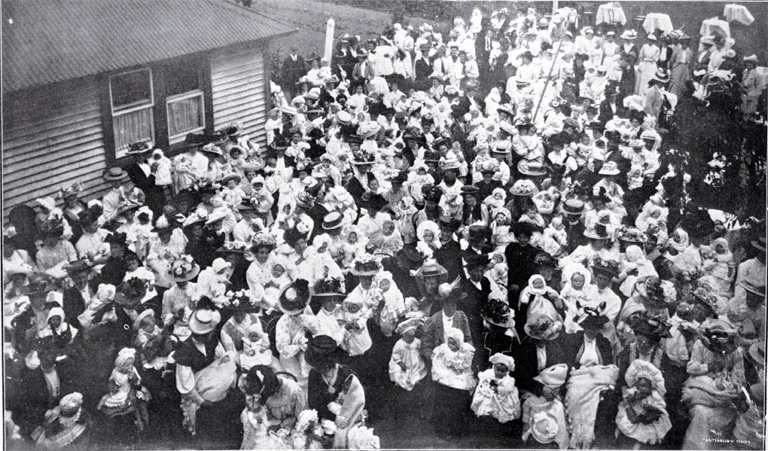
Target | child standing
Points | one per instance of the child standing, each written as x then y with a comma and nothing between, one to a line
643,413
545,420
452,374
575,292
406,366
163,175
357,340
123,396
394,306
496,394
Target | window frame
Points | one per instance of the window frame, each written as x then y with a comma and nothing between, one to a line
122,152
175,139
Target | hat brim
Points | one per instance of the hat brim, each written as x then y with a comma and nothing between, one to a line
757,245
369,273
191,275
332,226
314,357
508,325
549,336
122,175
200,329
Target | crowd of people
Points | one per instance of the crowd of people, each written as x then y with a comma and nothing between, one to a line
511,264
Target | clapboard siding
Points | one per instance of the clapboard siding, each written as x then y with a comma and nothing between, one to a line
238,85
51,137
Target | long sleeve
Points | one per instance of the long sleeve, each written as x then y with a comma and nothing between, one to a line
185,383
696,365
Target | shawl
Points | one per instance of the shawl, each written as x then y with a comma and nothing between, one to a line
584,388
702,391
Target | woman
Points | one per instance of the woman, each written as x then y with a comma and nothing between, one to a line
717,375
72,208
259,270
680,65
292,329
204,373
334,391
67,426
281,396
647,58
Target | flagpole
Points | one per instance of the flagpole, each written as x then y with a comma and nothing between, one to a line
549,75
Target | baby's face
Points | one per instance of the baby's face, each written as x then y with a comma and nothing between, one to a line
719,248
231,184
373,185
655,214
388,229
498,196
500,370
408,336
421,171
132,265
148,325
453,345
322,248
429,236
644,386
384,285
352,239
353,308
577,281
538,284
498,259
253,336
277,271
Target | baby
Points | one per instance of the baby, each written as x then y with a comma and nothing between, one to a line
256,349
404,217
428,234
538,291
495,201
555,237
163,171
231,193
452,362
352,246
354,318
500,233
635,266
139,231
720,265
417,179
643,413
135,270
153,344
546,416
394,306
684,332
406,366
122,389
496,394
498,271
575,292
635,178
532,215
393,241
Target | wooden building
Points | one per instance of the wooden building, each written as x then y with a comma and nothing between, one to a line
82,79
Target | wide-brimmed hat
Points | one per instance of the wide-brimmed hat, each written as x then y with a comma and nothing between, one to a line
332,221
506,110
629,35
661,75
609,168
231,176
131,291
322,349
118,238
329,287
293,299
365,266
440,142
79,265
451,163
523,188
115,173
592,318
651,291
144,314
702,296
498,313
218,214
631,235
361,158
410,258
305,200
375,201
70,190
596,233
203,321
609,267
573,207
530,168
138,148
184,269
649,326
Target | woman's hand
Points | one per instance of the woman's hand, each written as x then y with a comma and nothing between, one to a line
341,421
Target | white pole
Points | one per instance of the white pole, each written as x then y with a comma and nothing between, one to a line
329,39
554,6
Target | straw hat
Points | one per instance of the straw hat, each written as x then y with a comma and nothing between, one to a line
531,169
365,265
184,269
322,349
115,173
609,168
204,321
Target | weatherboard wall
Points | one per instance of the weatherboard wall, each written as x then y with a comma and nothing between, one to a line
52,137
240,89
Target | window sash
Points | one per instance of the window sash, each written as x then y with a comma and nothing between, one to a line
135,105
186,114
132,126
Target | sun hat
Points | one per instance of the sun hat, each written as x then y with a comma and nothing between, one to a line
322,349
629,234
406,325
293,298
70,404
573,207
212,149
365,265
651,291
115,173
497,312
231,176
629,35
502,359
592,318
523,188
661,75
332,221
544,427
531,169
203,321
184,269
144,314
554,376
609,267
609,168
450,163
410,258
328,287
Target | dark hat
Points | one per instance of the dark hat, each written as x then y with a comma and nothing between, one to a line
440,142
139,147
292,236
294,297
451,224
195,140
470,190
609,267
652,293
330,287
477,261
431,156
357,139
323,349
131,291
279,143
119,238
410,258
651,327
431,193
79,265
401,178
523,228
592,317
375,201
544,260
479,231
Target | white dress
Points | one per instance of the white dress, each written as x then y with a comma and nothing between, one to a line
415,368
500,402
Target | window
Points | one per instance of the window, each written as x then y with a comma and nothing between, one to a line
184,102
132,99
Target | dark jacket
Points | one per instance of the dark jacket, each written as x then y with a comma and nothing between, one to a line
434,334
449,257
576,349
526,361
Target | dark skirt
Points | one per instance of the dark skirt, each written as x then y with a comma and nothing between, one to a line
450,411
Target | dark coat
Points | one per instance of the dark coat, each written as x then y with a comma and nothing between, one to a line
433,335
526,362
292,71
449,257
155,199
575,346
402,278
